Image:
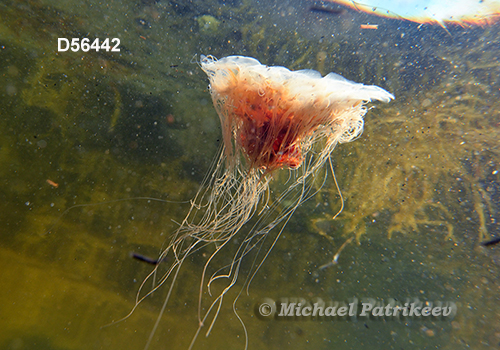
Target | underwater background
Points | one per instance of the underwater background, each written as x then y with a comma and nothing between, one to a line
101,152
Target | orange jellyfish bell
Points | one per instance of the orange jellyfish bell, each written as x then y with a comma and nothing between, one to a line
274,114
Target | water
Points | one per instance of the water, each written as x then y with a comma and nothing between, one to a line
420,185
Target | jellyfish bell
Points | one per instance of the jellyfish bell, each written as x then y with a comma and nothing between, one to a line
273,115
441,12
272,118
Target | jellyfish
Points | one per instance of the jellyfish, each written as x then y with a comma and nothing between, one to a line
443,12
272,118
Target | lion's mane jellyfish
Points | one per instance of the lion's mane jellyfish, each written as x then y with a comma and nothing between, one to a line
272,118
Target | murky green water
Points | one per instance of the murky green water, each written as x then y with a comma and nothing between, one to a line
100,154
